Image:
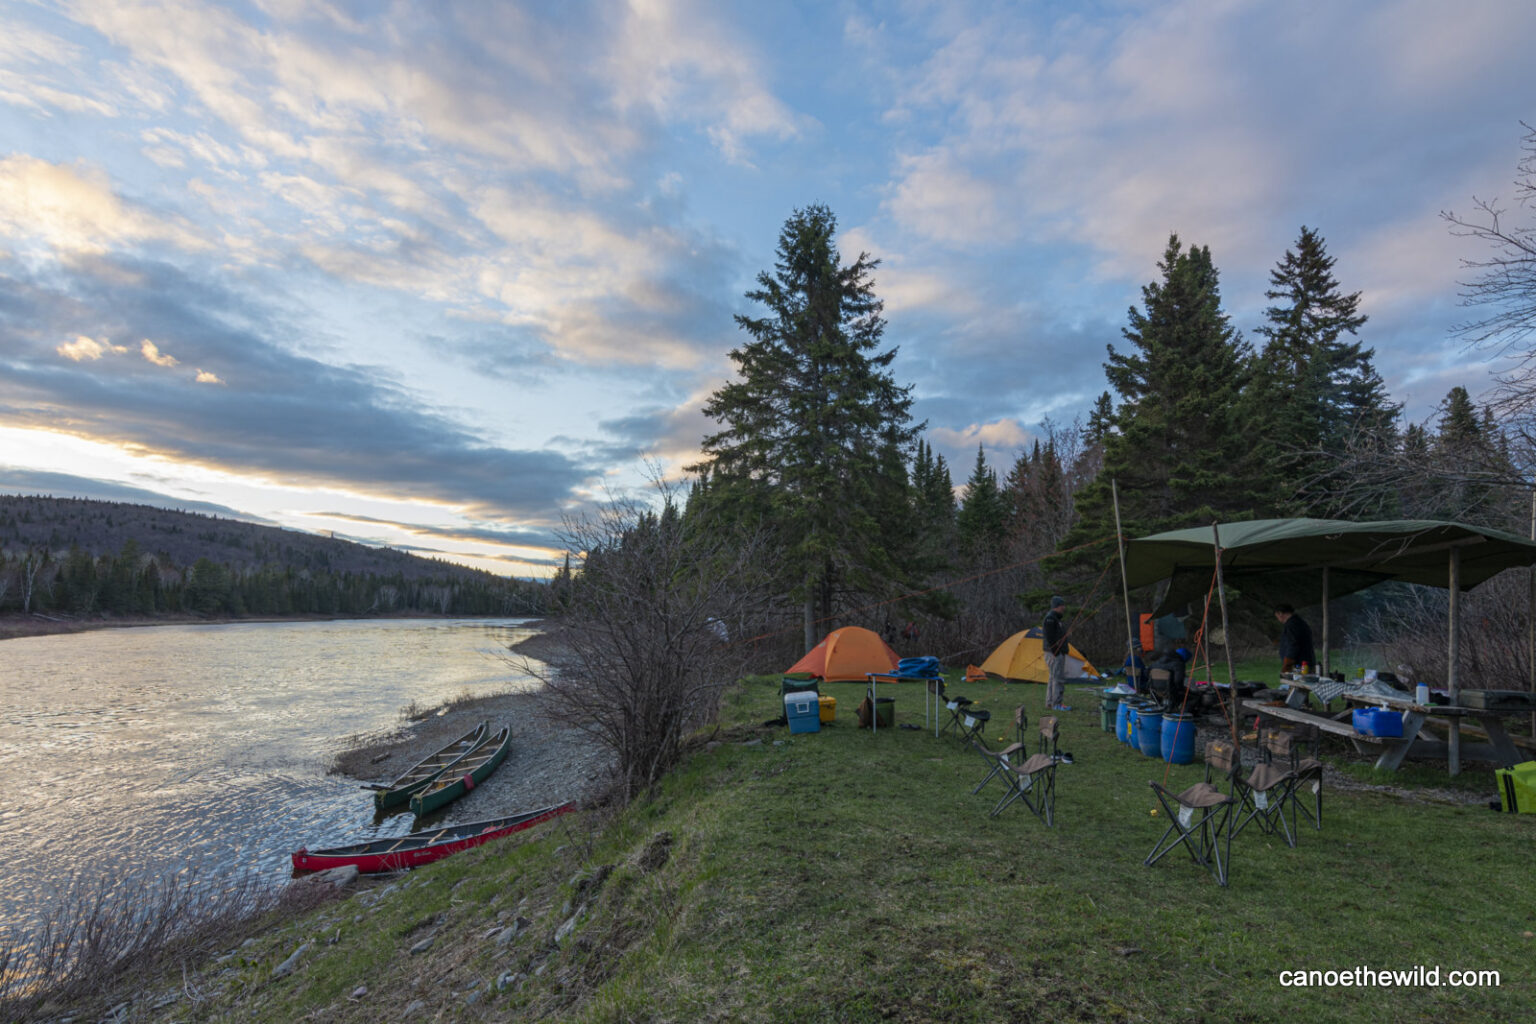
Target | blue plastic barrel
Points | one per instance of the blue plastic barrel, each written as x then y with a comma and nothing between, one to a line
1149,732
1122,720
1178,740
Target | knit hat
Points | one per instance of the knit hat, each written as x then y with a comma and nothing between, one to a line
1058,601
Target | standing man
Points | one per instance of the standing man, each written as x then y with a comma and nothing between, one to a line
1054,645
1295,640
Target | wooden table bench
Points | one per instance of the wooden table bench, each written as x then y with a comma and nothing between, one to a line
1499,748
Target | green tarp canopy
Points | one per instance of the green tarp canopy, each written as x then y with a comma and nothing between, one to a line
1283,559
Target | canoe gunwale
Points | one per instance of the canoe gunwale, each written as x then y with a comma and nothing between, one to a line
400,791
443,791
429,847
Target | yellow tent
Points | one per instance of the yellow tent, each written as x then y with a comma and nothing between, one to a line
1021,659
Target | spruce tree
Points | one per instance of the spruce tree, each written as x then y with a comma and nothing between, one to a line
1101,420
982,522
1178,449
808,428
1315,391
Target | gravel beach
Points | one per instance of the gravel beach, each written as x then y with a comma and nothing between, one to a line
549,762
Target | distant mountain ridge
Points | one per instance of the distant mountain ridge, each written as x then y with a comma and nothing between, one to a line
181,538
77,557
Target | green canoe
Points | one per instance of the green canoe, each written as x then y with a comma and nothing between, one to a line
407,785
475,767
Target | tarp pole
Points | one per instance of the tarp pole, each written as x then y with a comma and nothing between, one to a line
1453,645
1125,589
1325,621
1221,591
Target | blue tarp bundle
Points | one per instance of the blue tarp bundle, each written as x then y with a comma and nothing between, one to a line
926,667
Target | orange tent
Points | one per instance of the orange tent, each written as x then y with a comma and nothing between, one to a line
847,654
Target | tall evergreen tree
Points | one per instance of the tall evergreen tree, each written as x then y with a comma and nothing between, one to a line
933,505
982,522
1316,389
808,425
1178,450
1101,420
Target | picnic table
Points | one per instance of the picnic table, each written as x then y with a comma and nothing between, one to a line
1393,749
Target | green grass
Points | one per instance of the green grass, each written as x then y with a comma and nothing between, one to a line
854,877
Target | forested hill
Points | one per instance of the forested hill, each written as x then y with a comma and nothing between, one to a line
81,556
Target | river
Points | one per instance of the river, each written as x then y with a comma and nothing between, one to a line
201,751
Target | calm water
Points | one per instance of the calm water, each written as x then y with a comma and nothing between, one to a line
201,750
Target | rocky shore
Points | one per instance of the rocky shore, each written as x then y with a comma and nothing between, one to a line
550,762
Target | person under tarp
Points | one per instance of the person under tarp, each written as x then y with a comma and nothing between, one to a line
1170,688
1296,647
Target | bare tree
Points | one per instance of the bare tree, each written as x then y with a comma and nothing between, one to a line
644,621
1506,282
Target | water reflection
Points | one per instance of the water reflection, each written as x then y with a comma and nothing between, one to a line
202,749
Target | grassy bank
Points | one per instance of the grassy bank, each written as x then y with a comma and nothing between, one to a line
849,876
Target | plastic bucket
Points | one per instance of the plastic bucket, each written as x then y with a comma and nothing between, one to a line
1178,740
1149,732
1108,709
885,712
1122,722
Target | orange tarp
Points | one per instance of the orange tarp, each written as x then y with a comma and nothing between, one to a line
846,654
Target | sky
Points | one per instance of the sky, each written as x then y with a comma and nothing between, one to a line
438,275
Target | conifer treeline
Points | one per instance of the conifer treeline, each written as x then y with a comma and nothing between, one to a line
817,448
132,583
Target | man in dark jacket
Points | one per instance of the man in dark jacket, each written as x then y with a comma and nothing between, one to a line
1174,663
1295,640
1054,645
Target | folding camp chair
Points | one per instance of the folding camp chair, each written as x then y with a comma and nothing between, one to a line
1034,782
1001,761
973,724
956,707
1277,742
1262,797
1200,816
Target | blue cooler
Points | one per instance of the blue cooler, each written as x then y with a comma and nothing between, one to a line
803,709
1378,722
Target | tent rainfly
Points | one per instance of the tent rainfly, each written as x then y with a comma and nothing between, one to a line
1021,659
846,654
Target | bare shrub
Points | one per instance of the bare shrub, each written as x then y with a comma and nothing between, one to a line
1494,646
644,619
102,938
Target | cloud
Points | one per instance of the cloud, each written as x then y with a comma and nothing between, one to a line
75,210
1001,439
679,60
153,354
1114,132
544,540
287,417
84,349
208,377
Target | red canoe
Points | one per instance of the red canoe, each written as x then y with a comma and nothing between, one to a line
419,848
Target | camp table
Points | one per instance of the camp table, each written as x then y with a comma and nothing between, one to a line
1499,748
